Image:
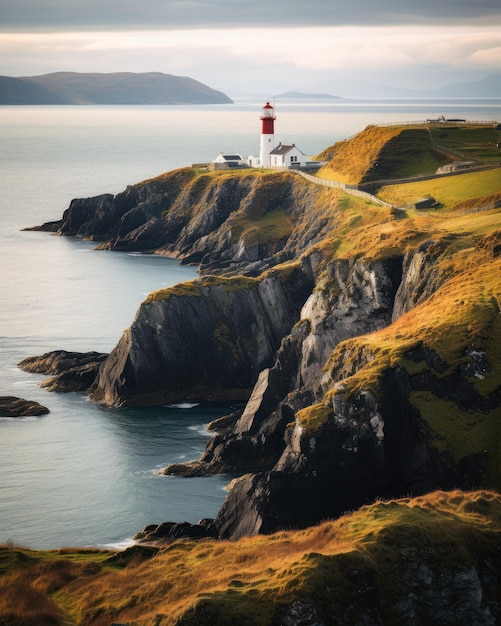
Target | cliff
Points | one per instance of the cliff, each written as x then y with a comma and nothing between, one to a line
226,222
208,339
363,340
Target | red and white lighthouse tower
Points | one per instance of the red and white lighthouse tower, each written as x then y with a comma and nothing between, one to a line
267,134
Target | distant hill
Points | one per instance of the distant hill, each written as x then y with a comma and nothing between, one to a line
114,88
488,87
21,91
313,96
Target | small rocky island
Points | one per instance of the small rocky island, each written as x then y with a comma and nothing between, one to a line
11,406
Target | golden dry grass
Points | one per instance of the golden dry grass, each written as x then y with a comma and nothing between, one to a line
250,579
463,313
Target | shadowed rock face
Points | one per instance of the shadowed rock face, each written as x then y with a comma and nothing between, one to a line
69,371
200,219
212,343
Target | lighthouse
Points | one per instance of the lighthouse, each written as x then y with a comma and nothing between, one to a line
267,134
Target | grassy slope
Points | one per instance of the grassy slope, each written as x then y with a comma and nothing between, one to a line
464,191
251,580
381,152
476,143
463,313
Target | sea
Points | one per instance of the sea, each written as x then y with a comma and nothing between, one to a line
85,474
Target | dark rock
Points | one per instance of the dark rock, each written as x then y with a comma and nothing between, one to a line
357,297
172,531
73,371
10,406
280,343
218,336
196,218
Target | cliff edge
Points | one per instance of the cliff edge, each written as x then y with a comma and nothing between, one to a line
362,340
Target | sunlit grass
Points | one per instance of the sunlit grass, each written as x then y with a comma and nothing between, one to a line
381,152
463,313
253,579
447,191
272,226
195,288
473,142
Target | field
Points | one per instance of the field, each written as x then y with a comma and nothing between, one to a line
466,190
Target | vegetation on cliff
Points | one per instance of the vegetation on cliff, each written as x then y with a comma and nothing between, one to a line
371,335
435,556
384,152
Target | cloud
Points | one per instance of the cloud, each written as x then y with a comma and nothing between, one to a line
318,48
51,15
487,58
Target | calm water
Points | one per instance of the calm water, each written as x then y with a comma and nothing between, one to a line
85,474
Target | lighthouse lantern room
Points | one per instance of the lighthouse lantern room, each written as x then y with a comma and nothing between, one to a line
267,134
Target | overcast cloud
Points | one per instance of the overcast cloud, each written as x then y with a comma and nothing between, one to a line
155,14
260,45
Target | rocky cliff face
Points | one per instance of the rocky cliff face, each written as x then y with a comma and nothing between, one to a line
208,340
362,342
231,224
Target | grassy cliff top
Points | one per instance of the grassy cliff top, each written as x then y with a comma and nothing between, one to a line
385,152
252,580
465,191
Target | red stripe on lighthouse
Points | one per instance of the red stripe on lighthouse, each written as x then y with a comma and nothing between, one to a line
267,127
268,119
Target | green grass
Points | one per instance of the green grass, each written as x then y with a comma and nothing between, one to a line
380,152
462,434
448,191
476,143
195,288
385,152
272,226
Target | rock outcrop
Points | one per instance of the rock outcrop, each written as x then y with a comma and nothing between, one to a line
11,406
412,562
69,371
225,224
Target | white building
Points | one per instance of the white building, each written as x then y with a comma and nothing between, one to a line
287,157
226,161
272,155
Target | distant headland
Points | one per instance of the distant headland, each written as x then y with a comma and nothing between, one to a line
308,96
113,88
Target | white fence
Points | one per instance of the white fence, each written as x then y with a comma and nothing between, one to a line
351,189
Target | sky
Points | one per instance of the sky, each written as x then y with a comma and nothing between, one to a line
245,47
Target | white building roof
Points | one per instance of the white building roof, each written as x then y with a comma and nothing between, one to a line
283,149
